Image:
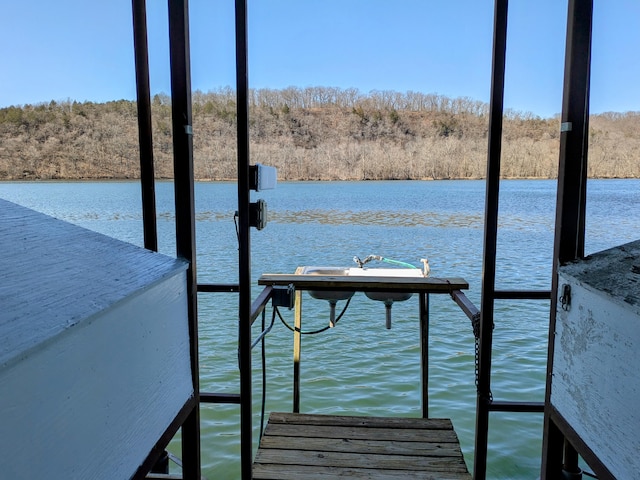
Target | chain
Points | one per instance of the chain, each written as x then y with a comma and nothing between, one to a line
477,366
475,323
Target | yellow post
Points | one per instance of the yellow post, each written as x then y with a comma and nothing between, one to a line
297,343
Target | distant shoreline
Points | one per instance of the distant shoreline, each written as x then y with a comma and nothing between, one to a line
209,180
317,134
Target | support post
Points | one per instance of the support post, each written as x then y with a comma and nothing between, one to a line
185,212
424,351
244,238
145,137
297,345
571,200
490,239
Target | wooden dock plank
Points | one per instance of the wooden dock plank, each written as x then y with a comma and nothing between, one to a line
357,460
306,472
297,446
385,447
362,433
345,420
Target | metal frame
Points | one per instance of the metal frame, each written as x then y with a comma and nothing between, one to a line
496,108
485,402
569,240
145,137
179,49
558,453
189,416
423,309
244,238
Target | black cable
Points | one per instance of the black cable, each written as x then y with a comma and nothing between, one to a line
314,332
264,353
235,221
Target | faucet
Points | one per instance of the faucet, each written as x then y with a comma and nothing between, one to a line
361,263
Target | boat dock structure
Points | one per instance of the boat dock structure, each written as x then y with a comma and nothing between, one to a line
100,337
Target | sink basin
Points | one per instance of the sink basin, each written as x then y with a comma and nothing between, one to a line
361,272
389,297
386,272
329,271
333,296
330,295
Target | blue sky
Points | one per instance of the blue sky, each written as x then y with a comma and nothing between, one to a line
83,50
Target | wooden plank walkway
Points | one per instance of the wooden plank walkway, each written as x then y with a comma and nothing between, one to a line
305,447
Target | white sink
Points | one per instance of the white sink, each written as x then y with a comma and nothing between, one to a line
387,297
384,272
331,295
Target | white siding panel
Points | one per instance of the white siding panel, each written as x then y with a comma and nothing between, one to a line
94,403
94,349
596,369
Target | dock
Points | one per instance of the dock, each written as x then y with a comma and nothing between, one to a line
304,447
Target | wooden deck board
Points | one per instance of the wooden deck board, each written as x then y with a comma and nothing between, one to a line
298,446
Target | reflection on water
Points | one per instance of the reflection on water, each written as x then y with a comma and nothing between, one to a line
359,367
382,218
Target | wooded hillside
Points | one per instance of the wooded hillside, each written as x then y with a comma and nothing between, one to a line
315,133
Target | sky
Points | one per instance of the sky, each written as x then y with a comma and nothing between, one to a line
83,50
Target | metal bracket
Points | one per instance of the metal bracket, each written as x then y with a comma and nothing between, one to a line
258,214
565,298
283,296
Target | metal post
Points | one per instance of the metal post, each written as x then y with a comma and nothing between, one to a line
490,238
244,264
185,211
145,137
297,345
424,351
571,200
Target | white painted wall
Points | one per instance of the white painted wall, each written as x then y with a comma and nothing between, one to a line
94,350
92,404
596,374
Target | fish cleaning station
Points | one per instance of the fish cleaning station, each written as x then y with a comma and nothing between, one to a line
124,320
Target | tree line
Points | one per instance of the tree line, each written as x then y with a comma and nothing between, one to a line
313,133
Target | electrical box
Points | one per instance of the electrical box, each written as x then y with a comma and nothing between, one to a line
283,296
262,177
258,214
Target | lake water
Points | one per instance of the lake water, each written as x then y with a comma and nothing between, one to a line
359,367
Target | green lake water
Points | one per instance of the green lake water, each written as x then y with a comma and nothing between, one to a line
360,367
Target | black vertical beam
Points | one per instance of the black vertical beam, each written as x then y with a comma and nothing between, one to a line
145,137
574,136
571,199
490,238
185,211
424,351
244,264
